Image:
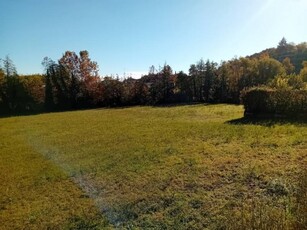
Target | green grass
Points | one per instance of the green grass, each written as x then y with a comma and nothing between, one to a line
150,167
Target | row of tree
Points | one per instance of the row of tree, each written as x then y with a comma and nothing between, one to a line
73,82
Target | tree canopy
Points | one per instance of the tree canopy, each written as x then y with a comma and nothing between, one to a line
74,82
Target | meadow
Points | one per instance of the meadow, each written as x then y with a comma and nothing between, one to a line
179,167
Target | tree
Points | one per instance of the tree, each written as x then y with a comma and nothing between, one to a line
193,75
152,70
209,77
200,79
167,86
234,73
289,68
220,84
113,91
49,98
9,67
90,81
282,44
84,78
291,81
303,72
185,86
296,81
197,76
268,68
73,82
2,91
34,87
135,92
71,64
13,96
57,84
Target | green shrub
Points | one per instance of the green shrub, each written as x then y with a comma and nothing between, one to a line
274,102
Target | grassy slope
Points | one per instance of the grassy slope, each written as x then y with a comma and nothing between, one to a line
182,166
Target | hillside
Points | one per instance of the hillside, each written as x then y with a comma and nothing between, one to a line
296,53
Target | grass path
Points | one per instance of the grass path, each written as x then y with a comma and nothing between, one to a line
143,167
34,192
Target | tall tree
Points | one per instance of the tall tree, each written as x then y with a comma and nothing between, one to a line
166,74
49,98
193,75
9,67
209,77
71,63
200,79
220,85
90,80
84,79
2,91
282,44
185,86
13,94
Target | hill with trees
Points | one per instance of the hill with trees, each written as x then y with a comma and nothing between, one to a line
289,54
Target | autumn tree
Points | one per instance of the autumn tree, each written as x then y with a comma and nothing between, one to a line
73,82
268,68
34,87
90,80
303,72
234,73
288,66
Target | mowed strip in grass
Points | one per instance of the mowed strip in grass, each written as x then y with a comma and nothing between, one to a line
146,167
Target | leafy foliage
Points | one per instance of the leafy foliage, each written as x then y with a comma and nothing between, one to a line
73,82
276,102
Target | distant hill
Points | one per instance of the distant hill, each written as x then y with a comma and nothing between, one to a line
296,53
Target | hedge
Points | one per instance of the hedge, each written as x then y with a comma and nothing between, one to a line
264,101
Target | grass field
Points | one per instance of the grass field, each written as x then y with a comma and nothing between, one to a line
181,167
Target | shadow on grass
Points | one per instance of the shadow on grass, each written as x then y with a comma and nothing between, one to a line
178,104
32,113
267,121
6,115
115,107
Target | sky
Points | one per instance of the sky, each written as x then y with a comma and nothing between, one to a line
126,37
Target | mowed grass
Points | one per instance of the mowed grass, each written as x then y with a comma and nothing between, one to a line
182,167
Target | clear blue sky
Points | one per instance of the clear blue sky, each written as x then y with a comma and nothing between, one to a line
131,35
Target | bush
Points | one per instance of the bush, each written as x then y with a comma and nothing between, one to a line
266,101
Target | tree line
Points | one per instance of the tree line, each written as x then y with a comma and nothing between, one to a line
73,82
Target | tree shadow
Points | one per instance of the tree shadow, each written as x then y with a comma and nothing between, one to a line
268,121
178,104
20,114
